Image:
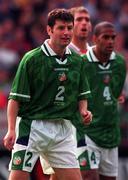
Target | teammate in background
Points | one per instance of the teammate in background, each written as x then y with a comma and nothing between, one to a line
82,29
106,73
42,102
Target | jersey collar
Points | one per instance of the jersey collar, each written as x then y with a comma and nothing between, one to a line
49,51
92,58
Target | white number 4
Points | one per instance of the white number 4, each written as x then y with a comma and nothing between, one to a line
106,93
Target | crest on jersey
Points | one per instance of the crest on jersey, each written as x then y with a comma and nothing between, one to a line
83,161
62,76
106,79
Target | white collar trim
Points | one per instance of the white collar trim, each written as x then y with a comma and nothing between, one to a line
78,49
49,51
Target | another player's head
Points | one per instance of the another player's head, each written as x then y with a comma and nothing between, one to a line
60,26
104,37
82,23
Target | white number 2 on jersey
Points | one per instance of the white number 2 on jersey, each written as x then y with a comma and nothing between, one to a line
60,94
106,93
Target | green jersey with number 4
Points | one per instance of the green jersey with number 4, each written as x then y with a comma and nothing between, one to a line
49,87
106,82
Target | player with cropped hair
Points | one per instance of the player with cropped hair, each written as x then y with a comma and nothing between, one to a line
49,89
82,30
106,72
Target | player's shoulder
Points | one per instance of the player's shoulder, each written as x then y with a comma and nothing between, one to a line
88,57
34,53
75,55
31,55
119,58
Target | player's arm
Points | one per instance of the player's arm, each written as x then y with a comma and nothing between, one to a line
12,112
119,78
84,95
86,115
20,92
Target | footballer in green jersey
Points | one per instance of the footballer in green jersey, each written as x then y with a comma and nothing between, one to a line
106,82
33,86
106,71
49,88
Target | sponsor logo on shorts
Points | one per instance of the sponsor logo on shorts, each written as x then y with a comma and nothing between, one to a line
17,160
83,162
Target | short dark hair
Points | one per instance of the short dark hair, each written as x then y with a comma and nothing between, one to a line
78,9
59,14
104,24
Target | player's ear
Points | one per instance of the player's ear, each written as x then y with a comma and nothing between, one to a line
49,30
94,39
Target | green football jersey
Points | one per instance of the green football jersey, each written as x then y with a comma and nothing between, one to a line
106,82
48,87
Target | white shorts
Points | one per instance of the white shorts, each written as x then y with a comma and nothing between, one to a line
92,156
51,140
47,169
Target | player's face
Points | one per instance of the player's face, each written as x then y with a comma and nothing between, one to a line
82,25
61,33
106,40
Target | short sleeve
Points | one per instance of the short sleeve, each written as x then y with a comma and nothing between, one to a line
20,90
84,90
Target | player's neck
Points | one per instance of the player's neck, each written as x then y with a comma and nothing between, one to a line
58,50
81,44
100,56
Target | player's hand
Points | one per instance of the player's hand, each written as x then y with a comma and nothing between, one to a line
121,99
9,140
87,117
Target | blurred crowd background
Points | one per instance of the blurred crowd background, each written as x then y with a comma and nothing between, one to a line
23,27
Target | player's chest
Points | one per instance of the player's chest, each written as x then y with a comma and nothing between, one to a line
52,71
100,75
